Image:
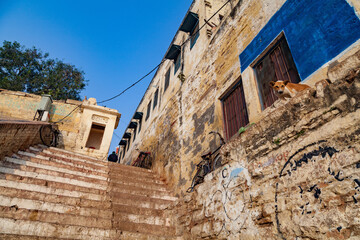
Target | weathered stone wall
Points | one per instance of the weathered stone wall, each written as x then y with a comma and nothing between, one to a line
177,131
73,118
293,175
20,105
15,136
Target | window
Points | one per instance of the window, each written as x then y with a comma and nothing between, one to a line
174,53
234,110
148,111
133,125
177,63
134,135
127,138
190,25
128,145
276,65
138,117
194,35
167,79
139,125
160,99
95,136
121,153
156,96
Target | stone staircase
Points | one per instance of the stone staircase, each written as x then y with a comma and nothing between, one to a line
50,193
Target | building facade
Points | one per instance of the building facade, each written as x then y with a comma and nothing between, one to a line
215,74
84,126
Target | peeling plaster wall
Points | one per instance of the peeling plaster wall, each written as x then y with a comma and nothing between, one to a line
177,131
74,128
20,105
295,175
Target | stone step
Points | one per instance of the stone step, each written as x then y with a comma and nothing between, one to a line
77,201
51,230
71,153
121,235
145,228
35,149
50,187
41,146
127,167
53,171
68,164
74,156
74,161
140,201
38,205
143,192
17,213
47,177
119,208
61,165
146,185
138,178
50,193
141,219
121,169
23,237
126,235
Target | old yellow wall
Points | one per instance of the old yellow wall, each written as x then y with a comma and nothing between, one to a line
294,175
19,105
177,133
74,127
93,114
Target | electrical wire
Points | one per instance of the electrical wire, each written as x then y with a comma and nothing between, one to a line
68,114
206,22
117,135
133,83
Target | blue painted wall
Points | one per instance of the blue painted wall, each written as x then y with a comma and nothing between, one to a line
316,31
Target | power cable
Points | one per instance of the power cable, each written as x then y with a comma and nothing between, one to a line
133,83
206,22
117,135
68,114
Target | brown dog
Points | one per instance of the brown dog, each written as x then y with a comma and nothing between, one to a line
287,89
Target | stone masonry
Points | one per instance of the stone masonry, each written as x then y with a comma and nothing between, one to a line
293,175
18,135
51,193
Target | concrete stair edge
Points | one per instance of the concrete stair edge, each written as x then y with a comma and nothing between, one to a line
119,201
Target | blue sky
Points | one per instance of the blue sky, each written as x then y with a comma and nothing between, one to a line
113,42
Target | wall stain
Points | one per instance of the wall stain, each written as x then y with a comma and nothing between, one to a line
199,122
292,165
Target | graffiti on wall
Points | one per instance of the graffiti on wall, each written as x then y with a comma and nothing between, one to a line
326,181
230,199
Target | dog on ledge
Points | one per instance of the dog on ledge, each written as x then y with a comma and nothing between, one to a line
287,89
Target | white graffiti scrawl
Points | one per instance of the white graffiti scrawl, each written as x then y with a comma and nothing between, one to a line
232,196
